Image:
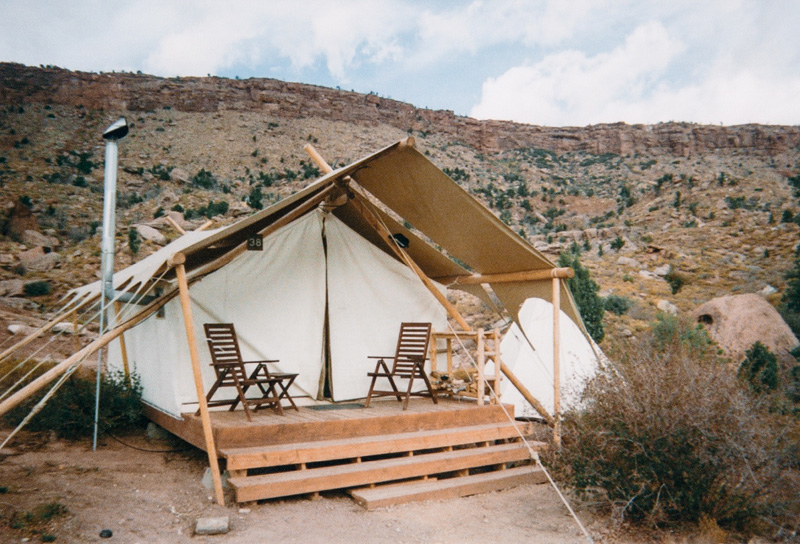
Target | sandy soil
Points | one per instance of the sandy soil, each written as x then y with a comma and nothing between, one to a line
146,497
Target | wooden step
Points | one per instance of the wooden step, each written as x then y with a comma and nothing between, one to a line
327,450
281,484
450,488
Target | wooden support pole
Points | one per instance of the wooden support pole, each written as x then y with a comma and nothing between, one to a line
75,335
556,362
527,275
498,365
204,226
175,226
126,369
186,306
481,361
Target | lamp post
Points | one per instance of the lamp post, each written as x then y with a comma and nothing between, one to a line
112,135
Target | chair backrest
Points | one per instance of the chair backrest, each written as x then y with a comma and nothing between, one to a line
223,345
412,346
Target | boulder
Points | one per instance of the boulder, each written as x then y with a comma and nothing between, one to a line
29,255
737,322
151,234
179,174
21,219
767,291
662,270
628,261
12,288
20,329
33,238
64,328
43,263
667,307
163,222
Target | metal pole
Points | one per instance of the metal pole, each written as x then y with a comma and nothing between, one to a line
112,134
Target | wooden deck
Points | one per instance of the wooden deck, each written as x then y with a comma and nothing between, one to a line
232,430
347,446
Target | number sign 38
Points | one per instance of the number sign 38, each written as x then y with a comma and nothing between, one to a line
255,243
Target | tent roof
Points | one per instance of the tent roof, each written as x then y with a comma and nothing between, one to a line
413,189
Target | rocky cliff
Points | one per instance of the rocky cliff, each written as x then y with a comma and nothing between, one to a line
136,92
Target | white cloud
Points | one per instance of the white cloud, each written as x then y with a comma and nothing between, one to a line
725,62
569,87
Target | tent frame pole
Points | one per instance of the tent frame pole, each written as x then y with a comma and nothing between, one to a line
186,307
557,362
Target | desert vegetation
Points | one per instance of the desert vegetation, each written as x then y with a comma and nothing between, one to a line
671,434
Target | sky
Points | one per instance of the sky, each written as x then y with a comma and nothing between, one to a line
543,62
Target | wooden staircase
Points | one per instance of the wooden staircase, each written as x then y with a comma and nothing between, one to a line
432,463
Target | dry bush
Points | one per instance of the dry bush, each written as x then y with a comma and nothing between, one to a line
672,435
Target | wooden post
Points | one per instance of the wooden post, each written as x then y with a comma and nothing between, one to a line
122,346
186,306
556,362
77,340
205,225
498,365
481,361
175,226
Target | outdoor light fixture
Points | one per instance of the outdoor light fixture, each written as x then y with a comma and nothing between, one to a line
112,135
400,240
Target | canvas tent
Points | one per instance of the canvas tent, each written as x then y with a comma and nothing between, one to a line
338,272
580,359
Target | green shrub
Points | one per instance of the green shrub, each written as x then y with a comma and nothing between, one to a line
254,199
70,413
617,244
675,280
37,288
617,304
668,330
134,241
204,179
669,436
760,368
584,290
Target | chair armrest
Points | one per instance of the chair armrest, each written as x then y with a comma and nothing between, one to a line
380,357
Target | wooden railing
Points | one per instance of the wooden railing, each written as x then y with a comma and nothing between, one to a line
486,349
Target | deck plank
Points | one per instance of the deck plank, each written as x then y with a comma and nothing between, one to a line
388,495
342,476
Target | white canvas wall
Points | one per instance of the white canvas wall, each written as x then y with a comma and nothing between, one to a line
274,297
369,295
276,300
534,368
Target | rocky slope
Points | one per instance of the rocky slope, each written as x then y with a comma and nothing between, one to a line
713,204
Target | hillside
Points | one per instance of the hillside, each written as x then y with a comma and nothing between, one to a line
711,202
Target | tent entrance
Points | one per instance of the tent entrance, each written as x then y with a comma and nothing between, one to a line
325,379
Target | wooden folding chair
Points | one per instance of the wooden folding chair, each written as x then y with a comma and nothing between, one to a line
409,364
231,372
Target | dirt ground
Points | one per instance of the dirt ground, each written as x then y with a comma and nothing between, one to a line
52,488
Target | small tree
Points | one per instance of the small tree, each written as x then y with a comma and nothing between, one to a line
584,289
134,241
